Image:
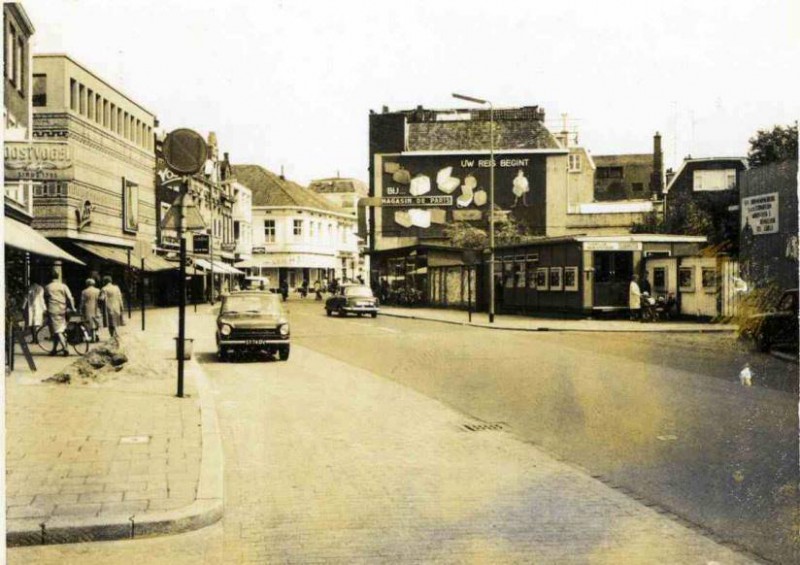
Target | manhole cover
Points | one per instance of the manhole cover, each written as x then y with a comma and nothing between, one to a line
484,427
135,439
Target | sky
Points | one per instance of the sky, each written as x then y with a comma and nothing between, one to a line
290,83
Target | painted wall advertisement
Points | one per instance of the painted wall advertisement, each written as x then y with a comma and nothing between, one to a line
37,160
421,194
760,213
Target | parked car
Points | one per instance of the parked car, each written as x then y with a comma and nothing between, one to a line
352,299
253,321
779,328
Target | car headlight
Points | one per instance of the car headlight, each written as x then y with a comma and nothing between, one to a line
283,329
225,329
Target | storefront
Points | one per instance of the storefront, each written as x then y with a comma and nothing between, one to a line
581,274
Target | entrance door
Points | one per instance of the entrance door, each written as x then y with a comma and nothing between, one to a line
612,278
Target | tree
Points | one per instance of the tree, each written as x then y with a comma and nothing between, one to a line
771,146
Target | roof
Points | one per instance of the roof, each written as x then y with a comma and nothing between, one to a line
474,135
338,185
642,159
270,189
708,160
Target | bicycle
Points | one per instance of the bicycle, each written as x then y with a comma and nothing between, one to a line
76,333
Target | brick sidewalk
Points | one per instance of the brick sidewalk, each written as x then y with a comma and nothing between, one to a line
83,459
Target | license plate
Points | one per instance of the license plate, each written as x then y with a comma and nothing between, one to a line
363,304
255,341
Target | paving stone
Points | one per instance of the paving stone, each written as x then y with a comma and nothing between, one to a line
101,497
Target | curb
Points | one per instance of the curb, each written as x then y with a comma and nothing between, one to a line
204,511
651,328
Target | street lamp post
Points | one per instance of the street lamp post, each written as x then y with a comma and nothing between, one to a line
491,197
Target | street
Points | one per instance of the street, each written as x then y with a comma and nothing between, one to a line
660,418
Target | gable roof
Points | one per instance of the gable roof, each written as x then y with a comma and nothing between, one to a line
270,189
714,162
639,159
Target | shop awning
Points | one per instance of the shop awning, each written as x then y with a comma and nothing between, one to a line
23,237
220,268
119,255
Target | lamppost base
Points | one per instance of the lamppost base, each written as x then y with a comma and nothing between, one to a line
491,318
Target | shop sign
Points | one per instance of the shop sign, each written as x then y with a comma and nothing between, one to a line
259,249
228,246
84,215
200,243
612,246
760,213
37,160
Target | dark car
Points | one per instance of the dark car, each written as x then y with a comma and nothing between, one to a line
352,299
252,321
777,329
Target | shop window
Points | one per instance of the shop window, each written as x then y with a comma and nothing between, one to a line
660,279
39,96
686,279
556,283
708,278
571,279
541,278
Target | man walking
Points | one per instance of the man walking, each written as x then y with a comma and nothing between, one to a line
111,296
59,304
90,309
34,307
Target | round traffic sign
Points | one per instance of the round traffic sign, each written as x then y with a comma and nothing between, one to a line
184,151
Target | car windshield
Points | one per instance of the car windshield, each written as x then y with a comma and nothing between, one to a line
358,291
252,304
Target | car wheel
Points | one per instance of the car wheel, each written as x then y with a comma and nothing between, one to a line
374,314
328,311
283,353
342,313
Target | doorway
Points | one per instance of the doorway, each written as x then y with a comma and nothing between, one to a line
612,276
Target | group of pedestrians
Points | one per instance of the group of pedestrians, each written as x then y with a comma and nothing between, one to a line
53,303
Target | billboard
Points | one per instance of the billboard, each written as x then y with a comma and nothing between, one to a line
760,213
420,194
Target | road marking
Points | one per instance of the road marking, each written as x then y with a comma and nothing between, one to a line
390,330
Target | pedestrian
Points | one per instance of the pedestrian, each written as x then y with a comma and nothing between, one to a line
59,304
90,309
111,297
304,288
284,288
35,307
318,289
634,299
384,290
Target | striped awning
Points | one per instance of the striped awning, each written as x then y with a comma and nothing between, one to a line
119,255
23,237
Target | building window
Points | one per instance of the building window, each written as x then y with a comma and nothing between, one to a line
73,95
574,163
708,278
89,104
130,206
20,74
39,97
637,186
686,279
660,279
81,99
723,179
269,231
7,52
609,172
297,228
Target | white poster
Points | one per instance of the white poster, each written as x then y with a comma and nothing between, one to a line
760,213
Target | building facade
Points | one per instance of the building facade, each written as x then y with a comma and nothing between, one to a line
212,250
95,146
242,221
297,235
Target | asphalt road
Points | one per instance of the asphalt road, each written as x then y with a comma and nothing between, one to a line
663,417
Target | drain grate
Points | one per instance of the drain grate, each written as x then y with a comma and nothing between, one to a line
485,427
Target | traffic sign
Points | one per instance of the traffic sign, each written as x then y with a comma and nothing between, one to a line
185,151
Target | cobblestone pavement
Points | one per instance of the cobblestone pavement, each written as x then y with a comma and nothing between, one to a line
328,463
97,450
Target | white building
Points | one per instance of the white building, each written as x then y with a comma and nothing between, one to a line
296,234
243,221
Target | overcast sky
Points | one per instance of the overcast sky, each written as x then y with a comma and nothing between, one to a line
291,82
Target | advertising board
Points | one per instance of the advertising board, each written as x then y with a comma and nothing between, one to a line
421,194
760,213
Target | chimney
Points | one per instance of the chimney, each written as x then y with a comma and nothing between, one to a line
657,181
281,175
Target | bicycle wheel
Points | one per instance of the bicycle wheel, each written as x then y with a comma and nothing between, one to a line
81,347
44,338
